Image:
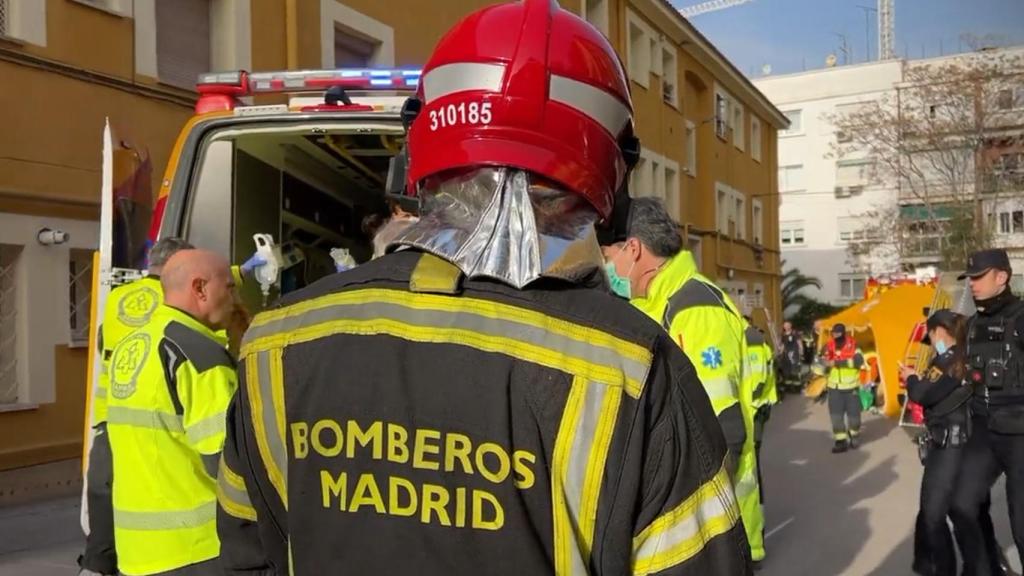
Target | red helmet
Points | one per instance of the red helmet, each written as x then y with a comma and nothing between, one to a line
531,86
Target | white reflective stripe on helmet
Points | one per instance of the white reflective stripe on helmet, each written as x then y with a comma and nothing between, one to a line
599,105
462,77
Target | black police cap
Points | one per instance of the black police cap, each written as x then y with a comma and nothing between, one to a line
984,260
945,318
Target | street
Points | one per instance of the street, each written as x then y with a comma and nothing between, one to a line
844,515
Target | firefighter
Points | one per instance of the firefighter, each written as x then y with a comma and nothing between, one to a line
128,307
170,385
844,361
995,356
477,402
649,266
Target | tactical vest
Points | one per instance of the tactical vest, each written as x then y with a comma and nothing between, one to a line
994,357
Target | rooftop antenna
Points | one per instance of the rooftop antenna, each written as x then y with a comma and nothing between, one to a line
886,30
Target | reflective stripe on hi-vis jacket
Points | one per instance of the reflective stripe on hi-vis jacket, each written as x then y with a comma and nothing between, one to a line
170,385
466,423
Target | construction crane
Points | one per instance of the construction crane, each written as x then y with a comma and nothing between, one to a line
709,6
886,30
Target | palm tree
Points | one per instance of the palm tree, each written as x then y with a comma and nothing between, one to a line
793,282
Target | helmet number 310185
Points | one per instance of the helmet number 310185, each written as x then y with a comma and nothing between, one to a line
462,113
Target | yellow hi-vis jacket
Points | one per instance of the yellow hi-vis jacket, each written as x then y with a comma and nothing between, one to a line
703,322
709,328
129,307
845,374
760,369
170,385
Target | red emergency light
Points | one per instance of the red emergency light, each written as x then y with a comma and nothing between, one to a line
219,91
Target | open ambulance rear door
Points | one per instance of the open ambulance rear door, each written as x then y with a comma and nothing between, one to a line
125,213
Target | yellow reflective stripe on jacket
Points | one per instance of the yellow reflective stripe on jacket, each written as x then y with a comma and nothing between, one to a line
144,418
165,519
684,531
578,470
232,494
264,403
482,324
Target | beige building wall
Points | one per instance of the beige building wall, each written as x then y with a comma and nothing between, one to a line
67,65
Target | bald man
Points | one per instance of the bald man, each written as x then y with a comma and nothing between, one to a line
170,385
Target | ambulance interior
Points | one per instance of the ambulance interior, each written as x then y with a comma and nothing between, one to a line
310,186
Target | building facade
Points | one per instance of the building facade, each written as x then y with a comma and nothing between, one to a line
834,202
68,65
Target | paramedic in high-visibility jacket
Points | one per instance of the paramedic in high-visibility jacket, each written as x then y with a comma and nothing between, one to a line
649,266
844,361
129,307
476,401
170,385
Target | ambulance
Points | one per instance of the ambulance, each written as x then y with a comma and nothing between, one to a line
291,163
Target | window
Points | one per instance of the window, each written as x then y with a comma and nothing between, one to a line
722,209
347,35
721,115
641,179
795,123
182,41
640,53
1011,222
1004,99
671,178
8,327
791,177
851,287
791,233
738,127
596,12
851,229
79,295
757,213
4,17
669,75
740,214
852,176
691,149
755,138
353,50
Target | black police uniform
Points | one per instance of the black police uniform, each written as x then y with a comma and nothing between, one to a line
789,364
401,419
946,404
995,357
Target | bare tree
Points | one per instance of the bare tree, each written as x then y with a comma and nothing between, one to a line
938,141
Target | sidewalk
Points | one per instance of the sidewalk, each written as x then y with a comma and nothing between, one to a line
41,539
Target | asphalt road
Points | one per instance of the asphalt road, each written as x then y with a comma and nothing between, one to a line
827,515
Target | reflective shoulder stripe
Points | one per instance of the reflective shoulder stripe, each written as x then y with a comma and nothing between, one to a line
206,428
232,494
165,519
203,352
693,294
481,324
141,418
683,532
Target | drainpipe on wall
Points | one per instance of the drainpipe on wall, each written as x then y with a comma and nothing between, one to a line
291,22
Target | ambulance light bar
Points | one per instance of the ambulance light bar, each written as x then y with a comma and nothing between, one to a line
219,90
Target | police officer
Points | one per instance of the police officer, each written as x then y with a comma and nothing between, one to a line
791,357
650,267
995,357
844,361
945,398
477,403
170,385
129,307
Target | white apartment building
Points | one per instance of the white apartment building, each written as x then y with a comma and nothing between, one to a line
824,201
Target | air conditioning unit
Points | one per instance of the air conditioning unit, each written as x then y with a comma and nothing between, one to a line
843,192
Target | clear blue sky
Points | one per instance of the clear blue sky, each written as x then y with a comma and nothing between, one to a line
791,35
